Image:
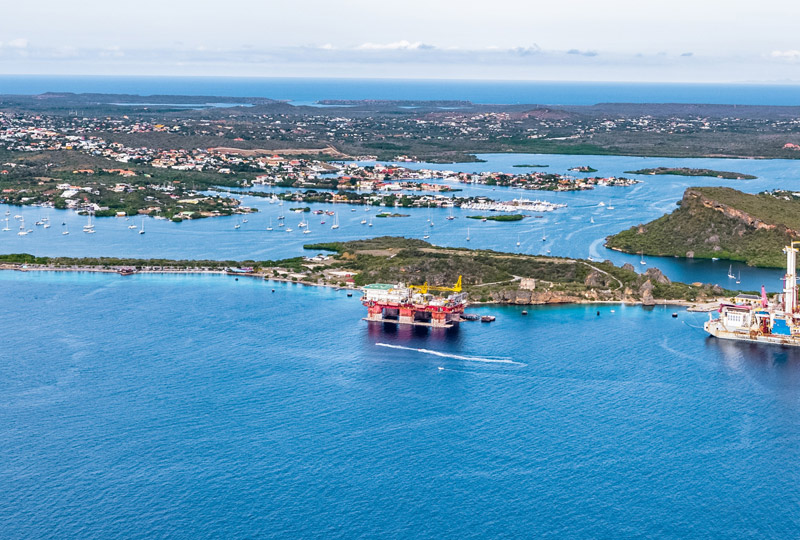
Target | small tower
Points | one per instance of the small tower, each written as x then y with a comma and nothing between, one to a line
790,280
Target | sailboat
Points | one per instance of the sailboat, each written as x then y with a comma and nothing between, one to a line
730,272
425,235
132,226
591,220
518,240
141,231
22,231
270,224
364,221
739,277
451,217
237,226
6,228
66,230
544,235
89,228
308,229
370,222
335,221
641,254
467,234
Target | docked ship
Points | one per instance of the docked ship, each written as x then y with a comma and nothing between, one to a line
414,304
756,319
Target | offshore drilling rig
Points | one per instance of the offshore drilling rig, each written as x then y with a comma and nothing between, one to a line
414,304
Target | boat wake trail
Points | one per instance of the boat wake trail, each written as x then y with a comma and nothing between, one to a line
496,360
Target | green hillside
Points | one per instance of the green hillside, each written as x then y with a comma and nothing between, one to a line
719,222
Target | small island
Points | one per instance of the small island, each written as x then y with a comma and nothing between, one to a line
391,215
502,217
583,169
685,171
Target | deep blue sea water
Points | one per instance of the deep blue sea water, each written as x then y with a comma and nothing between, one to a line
204,407
309,90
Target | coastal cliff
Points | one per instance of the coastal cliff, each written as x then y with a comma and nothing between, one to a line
719,222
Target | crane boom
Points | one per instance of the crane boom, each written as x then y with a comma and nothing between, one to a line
424,288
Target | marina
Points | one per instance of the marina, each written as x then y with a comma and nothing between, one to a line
570,230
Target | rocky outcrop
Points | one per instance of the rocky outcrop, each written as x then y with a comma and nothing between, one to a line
692,195
646,293
523,297
596,279
656,275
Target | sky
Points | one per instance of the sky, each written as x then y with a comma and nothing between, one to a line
609,40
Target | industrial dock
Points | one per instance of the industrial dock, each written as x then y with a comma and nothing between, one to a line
756,319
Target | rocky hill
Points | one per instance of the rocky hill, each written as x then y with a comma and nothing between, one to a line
720,222
509,278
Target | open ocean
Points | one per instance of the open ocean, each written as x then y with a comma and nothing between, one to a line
307,91
196,407
205,407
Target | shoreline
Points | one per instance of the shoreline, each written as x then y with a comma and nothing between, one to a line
690,306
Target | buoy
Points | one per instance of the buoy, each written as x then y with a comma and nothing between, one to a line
598,313
674,315
237,279
273,290
524,312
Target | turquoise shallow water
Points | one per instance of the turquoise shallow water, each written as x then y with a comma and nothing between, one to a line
570,231
205,407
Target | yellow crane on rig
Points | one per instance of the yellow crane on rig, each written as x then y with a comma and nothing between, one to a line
424,288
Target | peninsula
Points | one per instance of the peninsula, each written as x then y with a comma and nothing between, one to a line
488,276
718,222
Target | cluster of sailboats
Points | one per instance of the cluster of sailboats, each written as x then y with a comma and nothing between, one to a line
23,230
305,224
44,222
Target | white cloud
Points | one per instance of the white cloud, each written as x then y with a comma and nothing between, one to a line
792,54
19,43
402,45
582,53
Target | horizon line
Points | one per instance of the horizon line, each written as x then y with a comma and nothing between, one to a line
408,79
